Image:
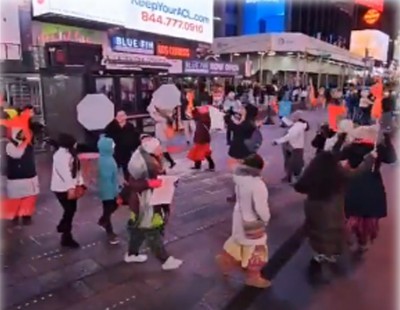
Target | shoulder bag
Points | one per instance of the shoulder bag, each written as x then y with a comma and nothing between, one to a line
252,229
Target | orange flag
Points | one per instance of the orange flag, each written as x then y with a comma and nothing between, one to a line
312,96
377,92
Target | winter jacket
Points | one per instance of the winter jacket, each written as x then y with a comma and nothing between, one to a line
22,180
126,140
107,181
295,136
241,133
61,177
365,193
251,204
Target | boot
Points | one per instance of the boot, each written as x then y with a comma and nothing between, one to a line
168,157
254,279
197,165
68,241
226,263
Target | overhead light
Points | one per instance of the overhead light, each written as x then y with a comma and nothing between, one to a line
289,53
271,53
261,53
217,18
236,54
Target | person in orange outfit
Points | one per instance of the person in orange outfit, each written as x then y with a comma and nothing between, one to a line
336,110
202,138
22,185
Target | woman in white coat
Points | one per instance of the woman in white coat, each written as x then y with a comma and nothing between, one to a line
247,245
163,121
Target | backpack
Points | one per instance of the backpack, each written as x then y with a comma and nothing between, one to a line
254,143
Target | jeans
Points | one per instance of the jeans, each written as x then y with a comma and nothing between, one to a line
69,206
109,207
153,237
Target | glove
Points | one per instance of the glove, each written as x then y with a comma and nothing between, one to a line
154,183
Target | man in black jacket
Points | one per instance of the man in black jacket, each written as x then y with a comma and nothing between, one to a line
126,139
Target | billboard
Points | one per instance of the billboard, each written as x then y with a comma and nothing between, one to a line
372,4
263,16
189,19
370,43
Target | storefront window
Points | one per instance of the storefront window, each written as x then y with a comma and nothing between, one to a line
106,87
147,88
128,95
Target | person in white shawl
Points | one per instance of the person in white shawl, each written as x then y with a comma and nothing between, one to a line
147,222
163,122
246,248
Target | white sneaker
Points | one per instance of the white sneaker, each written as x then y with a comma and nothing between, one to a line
171,263
141,258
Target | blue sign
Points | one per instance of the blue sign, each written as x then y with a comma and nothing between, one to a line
196,67
132,45
263,16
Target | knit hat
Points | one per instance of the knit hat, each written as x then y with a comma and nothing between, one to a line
150,144
297,115
254,161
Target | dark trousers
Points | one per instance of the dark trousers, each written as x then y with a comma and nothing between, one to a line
124,167
69,206
211,164
229,134
109,207
154,240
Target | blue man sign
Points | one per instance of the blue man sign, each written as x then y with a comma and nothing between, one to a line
132,45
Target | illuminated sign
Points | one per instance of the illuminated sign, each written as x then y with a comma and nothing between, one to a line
173,51
132,45
263,16
189,19
372,4
371,17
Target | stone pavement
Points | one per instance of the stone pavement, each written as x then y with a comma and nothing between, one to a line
38,274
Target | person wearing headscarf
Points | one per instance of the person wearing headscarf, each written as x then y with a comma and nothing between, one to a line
341,137
293,147
22,184
325,181
147,222
322,135
246,248
365,200
201,149
66,177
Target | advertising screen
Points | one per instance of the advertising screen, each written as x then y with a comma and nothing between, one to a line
372,4
189,19
371,43
262,16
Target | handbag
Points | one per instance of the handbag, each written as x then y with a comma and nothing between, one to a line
252,229
80,191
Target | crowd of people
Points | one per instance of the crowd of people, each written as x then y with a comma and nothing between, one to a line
343,187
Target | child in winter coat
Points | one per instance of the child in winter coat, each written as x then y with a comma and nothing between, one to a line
107,185
202,138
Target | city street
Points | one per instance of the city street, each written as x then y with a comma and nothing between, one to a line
38,274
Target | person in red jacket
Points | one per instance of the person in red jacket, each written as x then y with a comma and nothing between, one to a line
201,149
